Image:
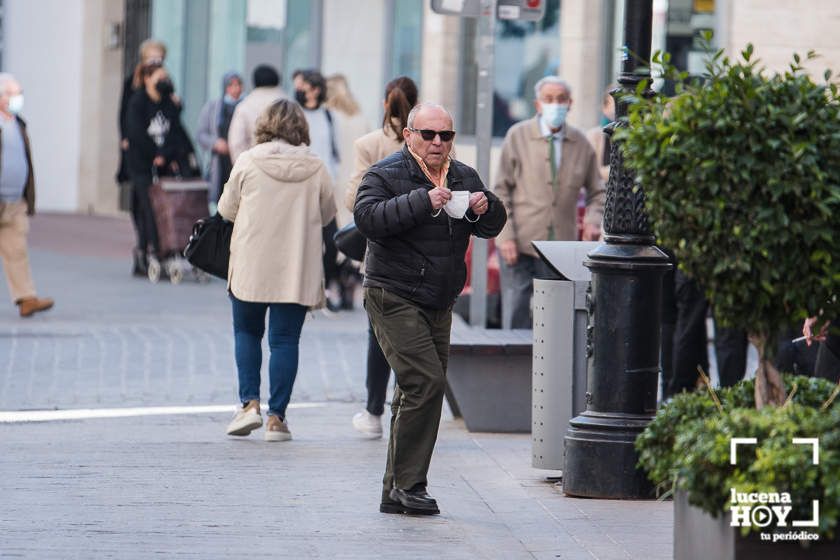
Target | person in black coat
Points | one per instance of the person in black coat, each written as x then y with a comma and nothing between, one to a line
151,52
418,209
158,147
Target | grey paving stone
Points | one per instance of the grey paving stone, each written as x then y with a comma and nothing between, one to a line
176,487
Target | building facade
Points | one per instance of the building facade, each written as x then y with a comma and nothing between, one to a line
71,57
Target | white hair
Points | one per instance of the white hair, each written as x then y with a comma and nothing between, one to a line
6,80
420,106
552,80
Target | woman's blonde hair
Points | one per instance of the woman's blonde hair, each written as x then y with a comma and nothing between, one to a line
339,96
283,120
151,44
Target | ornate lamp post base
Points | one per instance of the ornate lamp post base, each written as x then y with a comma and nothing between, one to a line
623,342
601,459
623,336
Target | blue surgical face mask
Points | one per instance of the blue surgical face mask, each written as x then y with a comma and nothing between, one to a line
554,114
16,104
230,100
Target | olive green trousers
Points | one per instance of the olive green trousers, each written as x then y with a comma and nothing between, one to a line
415,341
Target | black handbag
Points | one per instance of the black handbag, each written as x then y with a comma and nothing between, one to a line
209,245
351,242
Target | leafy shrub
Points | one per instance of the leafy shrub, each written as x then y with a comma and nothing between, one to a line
741,173
687,446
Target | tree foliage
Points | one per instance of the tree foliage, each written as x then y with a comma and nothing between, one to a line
741,171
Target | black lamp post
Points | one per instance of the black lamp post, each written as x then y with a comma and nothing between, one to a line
623,334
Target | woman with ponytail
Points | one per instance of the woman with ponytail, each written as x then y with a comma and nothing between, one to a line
400,98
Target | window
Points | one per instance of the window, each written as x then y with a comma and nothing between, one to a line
404,44
524,53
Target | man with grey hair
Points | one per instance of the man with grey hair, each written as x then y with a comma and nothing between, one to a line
418,209
543,166
17,199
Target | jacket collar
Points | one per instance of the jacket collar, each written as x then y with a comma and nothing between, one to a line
453,177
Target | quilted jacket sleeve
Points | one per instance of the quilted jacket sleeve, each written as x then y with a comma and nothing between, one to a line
379,213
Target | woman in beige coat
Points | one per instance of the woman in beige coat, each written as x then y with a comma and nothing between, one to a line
279,196
400,97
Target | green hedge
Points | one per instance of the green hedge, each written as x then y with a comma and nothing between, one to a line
687,447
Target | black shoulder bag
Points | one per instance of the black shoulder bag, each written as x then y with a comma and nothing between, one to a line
209,245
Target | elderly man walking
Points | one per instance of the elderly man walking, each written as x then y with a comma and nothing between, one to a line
543,166
418,208
17,199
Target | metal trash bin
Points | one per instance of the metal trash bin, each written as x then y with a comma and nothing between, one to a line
559,351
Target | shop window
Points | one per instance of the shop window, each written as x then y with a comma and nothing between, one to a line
525,52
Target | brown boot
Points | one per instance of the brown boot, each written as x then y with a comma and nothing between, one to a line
31,305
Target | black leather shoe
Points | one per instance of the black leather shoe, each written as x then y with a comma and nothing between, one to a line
420,492
390,506
414,502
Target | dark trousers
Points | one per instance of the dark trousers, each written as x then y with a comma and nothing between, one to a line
378,374
143,216
415,341
828,358
330,254
518,289
690,342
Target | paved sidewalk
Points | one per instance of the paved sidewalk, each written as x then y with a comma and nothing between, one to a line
175,486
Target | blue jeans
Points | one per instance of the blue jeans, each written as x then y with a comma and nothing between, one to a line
284,324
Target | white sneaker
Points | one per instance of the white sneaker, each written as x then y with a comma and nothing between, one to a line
246,420
277,430
368,424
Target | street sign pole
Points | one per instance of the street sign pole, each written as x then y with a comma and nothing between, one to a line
483,140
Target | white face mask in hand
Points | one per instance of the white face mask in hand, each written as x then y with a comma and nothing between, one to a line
458,204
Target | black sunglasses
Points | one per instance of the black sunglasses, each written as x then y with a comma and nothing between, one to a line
429,135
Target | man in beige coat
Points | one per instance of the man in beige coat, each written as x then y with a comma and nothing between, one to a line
243,123
543,166
17,199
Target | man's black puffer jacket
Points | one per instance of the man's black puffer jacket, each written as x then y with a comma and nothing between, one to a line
410,252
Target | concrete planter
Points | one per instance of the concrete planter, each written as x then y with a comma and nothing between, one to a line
489,375
698,535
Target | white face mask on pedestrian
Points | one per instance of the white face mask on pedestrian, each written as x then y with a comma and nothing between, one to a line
16,104
554,114
458,205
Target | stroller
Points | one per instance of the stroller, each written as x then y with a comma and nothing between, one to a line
177,203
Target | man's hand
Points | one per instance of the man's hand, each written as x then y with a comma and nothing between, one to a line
159,161
124,144
478,203
591,232
808,330
509,252
220,146
439,196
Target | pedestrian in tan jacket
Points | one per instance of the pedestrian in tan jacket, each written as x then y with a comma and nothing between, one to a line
279,197
543,166
17,199
241,133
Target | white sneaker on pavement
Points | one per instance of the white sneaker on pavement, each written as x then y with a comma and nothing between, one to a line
368,424
246,420
277,430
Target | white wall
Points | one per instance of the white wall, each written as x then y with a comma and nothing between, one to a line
43,49
353,45
778,28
